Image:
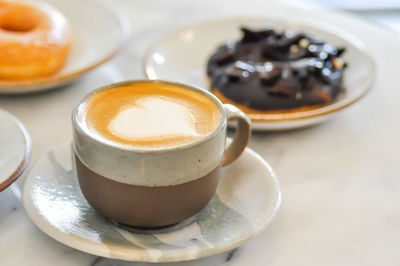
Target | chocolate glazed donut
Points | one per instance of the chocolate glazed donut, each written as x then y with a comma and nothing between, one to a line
267,70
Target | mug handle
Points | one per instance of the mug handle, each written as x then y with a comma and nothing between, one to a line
242,135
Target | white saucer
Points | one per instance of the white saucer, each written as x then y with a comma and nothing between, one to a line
15,149
182,56
248,198
98,30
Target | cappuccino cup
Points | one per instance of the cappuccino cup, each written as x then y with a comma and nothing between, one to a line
149,153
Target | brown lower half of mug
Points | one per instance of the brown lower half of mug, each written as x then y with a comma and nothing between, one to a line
142,206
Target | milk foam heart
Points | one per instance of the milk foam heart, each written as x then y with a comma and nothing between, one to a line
151,117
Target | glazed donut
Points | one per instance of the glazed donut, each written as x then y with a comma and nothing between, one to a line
34,40
268,71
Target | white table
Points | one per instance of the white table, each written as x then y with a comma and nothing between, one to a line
340,180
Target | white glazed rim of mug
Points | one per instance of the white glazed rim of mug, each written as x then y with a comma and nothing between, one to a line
80,130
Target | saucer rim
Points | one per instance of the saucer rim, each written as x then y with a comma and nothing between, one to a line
90,248
27,152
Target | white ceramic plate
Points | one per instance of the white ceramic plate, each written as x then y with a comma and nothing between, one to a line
98,29
15,149
247,199
183,54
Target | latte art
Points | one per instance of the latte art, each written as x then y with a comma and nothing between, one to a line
151,115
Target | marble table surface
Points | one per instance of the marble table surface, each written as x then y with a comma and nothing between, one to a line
340,180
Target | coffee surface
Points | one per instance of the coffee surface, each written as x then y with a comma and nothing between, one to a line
151,115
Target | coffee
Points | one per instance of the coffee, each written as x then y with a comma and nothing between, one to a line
156,180
151,115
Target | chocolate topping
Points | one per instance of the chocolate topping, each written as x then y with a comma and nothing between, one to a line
269,70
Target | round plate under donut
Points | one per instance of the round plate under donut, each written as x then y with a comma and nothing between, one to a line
98,30
182,56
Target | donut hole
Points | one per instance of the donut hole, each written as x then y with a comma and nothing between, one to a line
19,19
18,27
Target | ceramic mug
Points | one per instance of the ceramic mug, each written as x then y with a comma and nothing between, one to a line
154,188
